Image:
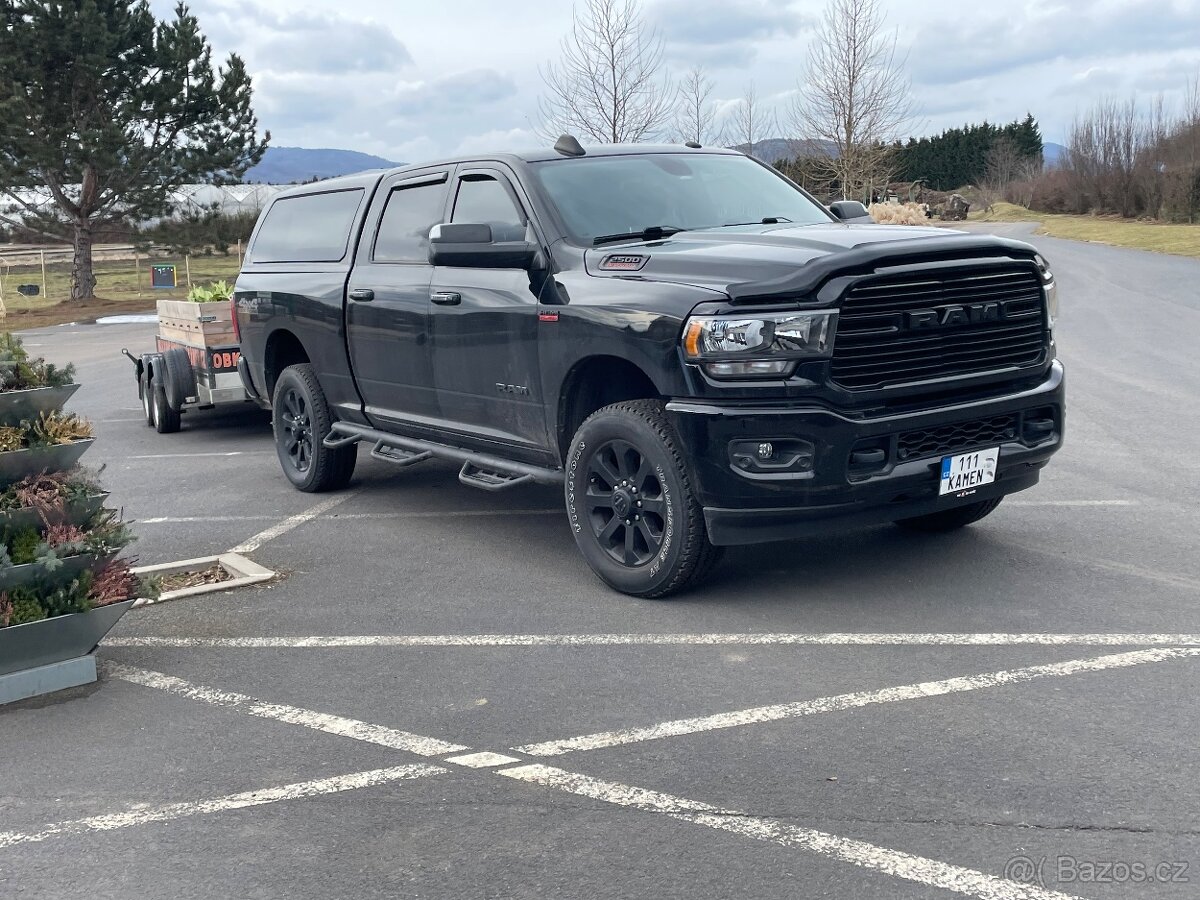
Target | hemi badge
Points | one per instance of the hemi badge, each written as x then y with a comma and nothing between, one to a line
630,262
547,317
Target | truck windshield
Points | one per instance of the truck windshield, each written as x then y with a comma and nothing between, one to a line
611,195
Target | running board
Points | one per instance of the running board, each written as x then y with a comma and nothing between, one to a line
490,481
482,470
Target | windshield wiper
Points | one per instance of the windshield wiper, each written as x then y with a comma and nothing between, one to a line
653,233
766,220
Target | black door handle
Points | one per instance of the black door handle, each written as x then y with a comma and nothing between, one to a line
447,298
362,295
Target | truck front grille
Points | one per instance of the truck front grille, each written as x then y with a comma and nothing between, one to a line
896,330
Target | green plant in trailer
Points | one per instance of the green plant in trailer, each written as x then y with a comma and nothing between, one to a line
217,292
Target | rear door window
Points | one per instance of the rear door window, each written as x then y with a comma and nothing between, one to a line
307,228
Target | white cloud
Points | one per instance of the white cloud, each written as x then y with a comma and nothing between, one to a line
444,78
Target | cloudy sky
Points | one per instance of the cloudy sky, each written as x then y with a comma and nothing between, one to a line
413,79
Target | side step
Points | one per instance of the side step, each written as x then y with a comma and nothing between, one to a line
490,481
481,470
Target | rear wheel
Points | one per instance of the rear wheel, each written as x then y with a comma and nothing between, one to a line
950,519
166,418
631,505
301,421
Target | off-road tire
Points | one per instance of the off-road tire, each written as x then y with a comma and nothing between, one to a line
950,519
301,420
166,418
665,547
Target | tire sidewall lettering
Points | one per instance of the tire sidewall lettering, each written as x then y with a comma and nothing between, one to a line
668,526
572,474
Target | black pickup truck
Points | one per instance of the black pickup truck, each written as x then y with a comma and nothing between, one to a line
698,351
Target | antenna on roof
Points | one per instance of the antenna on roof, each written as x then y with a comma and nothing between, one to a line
692,145
568,146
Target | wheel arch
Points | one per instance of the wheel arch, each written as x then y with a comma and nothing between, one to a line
282,349
593,383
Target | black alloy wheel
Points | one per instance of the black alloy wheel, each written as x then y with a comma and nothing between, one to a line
625,503
295,427
631,504
301,419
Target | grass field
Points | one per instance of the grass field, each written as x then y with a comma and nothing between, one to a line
120,288
1181,240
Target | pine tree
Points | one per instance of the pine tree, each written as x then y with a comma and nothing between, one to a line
108,109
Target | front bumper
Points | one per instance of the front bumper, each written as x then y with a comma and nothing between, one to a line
832,492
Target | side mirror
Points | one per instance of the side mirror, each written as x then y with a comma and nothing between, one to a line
850,211
472,247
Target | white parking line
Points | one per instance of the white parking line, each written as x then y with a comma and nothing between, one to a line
761,714
1072,503
835,639
417,514
297,791
339,725
919,869
194,455
252,544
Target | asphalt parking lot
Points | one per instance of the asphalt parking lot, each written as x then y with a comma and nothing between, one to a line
438,700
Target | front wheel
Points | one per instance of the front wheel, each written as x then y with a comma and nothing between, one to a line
631,505
950,519
301,420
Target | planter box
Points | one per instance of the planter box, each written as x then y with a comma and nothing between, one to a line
18,464
204,324
75,513
27,573
53,654
54,640
18,405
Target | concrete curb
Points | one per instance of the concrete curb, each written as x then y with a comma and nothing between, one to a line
243,572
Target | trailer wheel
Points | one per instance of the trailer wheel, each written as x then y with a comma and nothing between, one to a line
146,396
166,418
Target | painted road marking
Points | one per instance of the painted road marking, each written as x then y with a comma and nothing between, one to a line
192,455
339,517
339,725
297,791
919,869
252,544
1072,503
775,713
483,760
767,639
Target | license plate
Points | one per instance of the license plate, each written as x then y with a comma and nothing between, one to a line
962,474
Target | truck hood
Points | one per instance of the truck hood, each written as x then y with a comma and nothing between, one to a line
771,262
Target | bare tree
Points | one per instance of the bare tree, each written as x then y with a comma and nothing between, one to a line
608,86
854,100
1003,166
749,122
695,114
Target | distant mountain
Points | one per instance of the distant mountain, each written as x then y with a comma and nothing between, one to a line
285,165
1052,154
